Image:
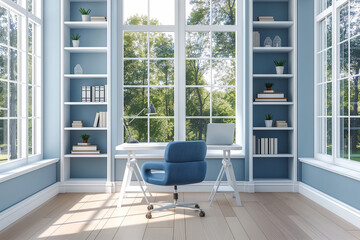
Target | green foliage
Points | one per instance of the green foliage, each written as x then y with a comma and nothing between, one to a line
84,12
268,116
85,137
279,64
75,37
269,85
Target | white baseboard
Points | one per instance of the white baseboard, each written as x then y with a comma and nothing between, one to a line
341,209
14,213
85,187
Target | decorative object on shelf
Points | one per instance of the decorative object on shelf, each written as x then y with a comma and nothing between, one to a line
75,40
268,42
78,69
85,14
277,41
77,124
85,137
281,124
268,120
265,18
85,149
150,111
98,19
256,39
270,95
269,86
279,66
266,145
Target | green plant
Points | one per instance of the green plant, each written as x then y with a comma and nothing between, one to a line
85,12
279,64
268,116
75,37
85,137
269,85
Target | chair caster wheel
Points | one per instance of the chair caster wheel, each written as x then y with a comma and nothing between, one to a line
150,207
202,214
197,206
148,215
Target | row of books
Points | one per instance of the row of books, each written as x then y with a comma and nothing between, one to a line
94,93
100,119
98,19
85,149
282,124
265,18
77,124
270,96
265,145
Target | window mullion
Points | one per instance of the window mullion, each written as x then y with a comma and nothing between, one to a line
335,38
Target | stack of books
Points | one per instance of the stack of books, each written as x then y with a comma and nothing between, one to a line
100,119
265,18
85,149
282,124
265,145
270,96
94,93
77,124
98,19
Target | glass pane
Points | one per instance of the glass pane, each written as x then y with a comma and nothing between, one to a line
13,24
344,141
135,44
354,96
3,99
223,12
198,12
161,130
329,136
3,62
138,130
321,58
30,5
135,72
3,26
355,139
161,45
344,59
322,35
30,41
30,97
30,136
30,69
135,12
37,101
135,100
223,102
37,73
344,97
13,100
3,140
344,23
329,99
196,129
14,67
354,17
198,72
162,12
197,44
329,65
163,100
198,101
162,72
355,56
13,144
223,44
224,72
329,31
321,95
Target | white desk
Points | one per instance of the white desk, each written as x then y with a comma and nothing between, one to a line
133,167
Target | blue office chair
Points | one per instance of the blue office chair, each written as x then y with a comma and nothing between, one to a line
184,164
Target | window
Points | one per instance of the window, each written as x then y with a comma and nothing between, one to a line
186,65
337,86
20,80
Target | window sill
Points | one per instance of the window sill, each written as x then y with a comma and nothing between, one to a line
332,168
5,176
160,155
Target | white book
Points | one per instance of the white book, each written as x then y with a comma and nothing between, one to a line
92,93
83,93
262,146
97,94
270,95
258,146
85,148
256,39
276,146
102,94
271,100
105,119
106,93
100,119
88,93
96,121
271,146
266,146
254,144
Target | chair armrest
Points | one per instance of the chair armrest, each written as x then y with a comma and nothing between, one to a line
148,166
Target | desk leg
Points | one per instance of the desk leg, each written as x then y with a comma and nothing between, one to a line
126,180
230,175
217,184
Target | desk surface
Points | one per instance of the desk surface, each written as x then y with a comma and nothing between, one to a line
162,146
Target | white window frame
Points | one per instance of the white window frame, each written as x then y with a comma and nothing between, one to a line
21,8
180,28
334,11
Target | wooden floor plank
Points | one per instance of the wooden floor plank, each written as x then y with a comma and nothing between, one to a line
225,206
250,226
355,234
158,233
179,232
308,228
236,228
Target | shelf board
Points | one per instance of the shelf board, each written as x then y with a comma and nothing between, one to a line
85,128
272,49
78,76
274,24
73,24
85,103
283,155
86,156
273,103
274,128
224,189
273,75
86,49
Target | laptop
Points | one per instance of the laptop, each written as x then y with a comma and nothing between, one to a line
220,133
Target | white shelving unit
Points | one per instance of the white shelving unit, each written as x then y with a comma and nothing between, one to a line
285,181
69,56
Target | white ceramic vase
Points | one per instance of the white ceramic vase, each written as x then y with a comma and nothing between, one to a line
76,43
85,18
279,69
268,123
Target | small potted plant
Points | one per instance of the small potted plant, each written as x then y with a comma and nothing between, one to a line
268,120
85,14
279,66
75,40
85,138
269,86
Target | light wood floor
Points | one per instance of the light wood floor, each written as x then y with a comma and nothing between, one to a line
263,216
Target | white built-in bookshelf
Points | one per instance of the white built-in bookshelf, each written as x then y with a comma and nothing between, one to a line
94,55
279,168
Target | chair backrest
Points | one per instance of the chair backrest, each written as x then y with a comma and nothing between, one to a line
185,151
